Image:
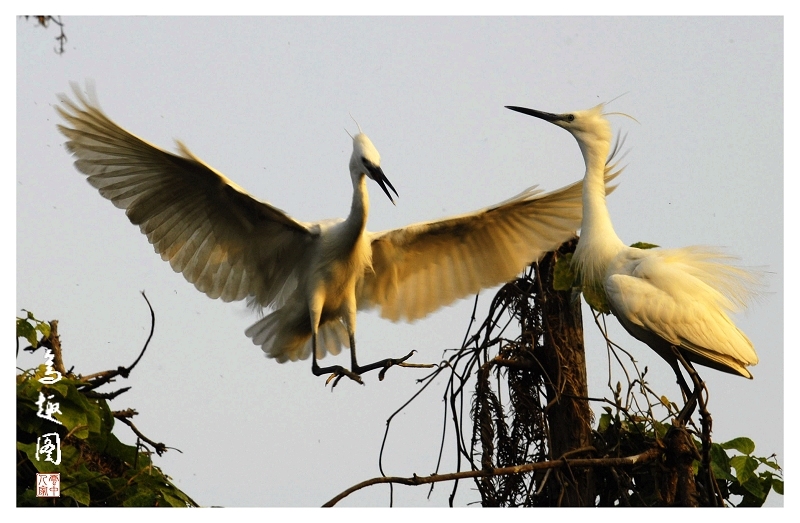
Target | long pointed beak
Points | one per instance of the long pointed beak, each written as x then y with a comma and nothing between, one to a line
383,181
550,117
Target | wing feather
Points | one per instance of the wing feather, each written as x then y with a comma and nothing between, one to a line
228,244
659,293
461,255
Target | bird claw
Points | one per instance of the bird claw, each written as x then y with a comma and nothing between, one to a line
338,372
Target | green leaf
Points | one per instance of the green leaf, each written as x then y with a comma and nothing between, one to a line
62,386
661,429
604,423
90,418
743,445
26,330
28,499
173,501
749,500
720,462
777,485
564,274
768,462
644,245
721,473
78,491
125,453
596,298
43,327
753,486
745,468
142,498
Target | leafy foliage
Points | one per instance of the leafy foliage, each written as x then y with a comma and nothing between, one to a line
96,468
753,477
28,328
744,480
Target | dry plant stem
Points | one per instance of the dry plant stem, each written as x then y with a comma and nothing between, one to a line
44,21
106,395
160,448
612,347
93,381
645,457
53,342
429,380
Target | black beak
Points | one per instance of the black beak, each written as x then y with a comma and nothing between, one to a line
550,117
383,181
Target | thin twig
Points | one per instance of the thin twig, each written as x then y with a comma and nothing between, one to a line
94,381
160,448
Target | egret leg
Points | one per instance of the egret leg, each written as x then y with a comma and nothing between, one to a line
685,389
692,396
715,495
382,364
336,371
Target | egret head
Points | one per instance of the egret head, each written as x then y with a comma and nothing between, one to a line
366,160
588,127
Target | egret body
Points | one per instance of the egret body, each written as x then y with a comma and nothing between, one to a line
666,298
314,276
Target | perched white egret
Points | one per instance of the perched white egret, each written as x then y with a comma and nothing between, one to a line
667,298
313,275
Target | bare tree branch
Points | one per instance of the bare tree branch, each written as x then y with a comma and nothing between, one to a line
639,459
123,416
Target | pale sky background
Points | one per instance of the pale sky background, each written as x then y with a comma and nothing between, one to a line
266,101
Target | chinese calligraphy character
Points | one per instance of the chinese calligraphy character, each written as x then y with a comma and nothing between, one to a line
50,374
41,485
48,444
50,408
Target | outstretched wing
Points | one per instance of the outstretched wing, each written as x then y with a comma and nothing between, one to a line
228,244
422,267
683,296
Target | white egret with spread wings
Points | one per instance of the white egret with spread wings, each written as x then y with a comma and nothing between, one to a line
314,276
677,301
